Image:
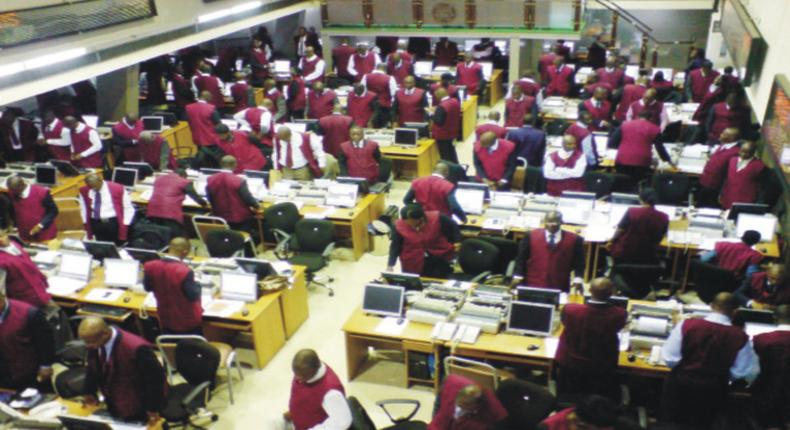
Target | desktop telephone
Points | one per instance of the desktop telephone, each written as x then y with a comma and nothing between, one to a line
458,333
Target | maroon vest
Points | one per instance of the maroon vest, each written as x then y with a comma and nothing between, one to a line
528,88
641,238
431,192
774,351
379,83
399,72
24,282
497,129
360,162
305,404
708,350
416,243
445,55
359,108
589,337
550,268
779,295
116,193
580,133
452,123
631,93
253,117
724,117
176,313
495,163
410,108
168,197
654,109
516,109
715,169
17,350
308,67
211,84
29,212
555,187
300,99
248,155
223,187
199,118
181,88
560,82
240,97
700,84
560,421
600,113
57,152
81,142
451,89
469,76
341,55
742,185
736,257
320,105
260,57
613,78
363,65
130,153
275,95
544,63
636,144
151,153
486,418
336,128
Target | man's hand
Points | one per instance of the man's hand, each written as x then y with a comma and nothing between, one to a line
35,230
44,374
76,157
287,415
153,419
89,400
578,286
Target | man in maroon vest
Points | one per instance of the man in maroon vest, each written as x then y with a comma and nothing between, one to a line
589,346
203,117
177,294
640,232
23,279
300,156
705,355
123,367
297,96
56,136
424,242
547,257
435,193
630,94
359,158
465,405
399,67
335,129
258,120
165,207
770,396
766,289
410,103
739,258
34,210
312,67
27,346
517,106
259,61
106,209
600,109
582,131
243,146
362,62
320,101
560,78
446,125
495,161
729,113
529,86
341,54
715,169
318,399
86,147
649,104
744,175
18,135
446,82
564,169
125,137
402,50
230,198
698,82
279,107
611,74
446,52
205,81
362,106
492,125
381,83
182,90
242,93
155,151
470,74
634,141
591,413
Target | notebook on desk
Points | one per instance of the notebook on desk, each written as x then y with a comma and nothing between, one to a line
72,274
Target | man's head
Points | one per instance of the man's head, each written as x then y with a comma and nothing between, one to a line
301,31
239,76
569,143
409,82
707,66
48,117
228,162
440,93
552,222
494,116
650,96
725,304
413,215
468,56
595,412
729,135
179,247
256,43
517,91
659,76
95,332
558,60
131,118
305,365
600,93
751,237
147,137
269,84
268,104
447,79
585,117
396,58
782,314
223,132
647,196
318,87
601,289
470,398
442,169
611,62
776,274
5,239
205,96
284,133
402,46
359,89
16,184
309,51
94,181
70,122
487,139
356,134
362,48
747,150
337,108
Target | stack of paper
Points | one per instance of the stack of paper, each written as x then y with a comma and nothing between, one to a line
104,295
223,308
62,286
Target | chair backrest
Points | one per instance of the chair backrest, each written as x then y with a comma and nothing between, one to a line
710,280
527,404
457,172
360,420
69,218
205,223
282,216
197,361
508,251
477,256
314,235
599,183
556,127
147,235
636,280
224,243
385,169
535,182
671,188
481,373
519,175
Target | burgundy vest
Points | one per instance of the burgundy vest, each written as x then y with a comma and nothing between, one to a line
452,123
363,65
780,295
360,162
253,117
300,99
57,152
176,313
320,105
130,153
410,107
469,76
515,110
151,152
116,193
305,404
211,84
248,155
598,113
736,257
641,238
225,200
544,63
451,89
431,192
555,187
724,117
260,57
486,418
168,197
715,169
239,93
497,129
336,128
181,88
560,421
495,163
589,337
742,185
560,83
613,78
527,87
24,282
29,212
275,95
700,84
708,350
399,72
654,109
199,118
359,108
550,268
17,350
379,83
631,93
774,351
636,144
445,55
416,243
81,142
341,55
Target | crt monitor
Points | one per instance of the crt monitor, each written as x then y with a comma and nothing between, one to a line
261,268
625,199
747,208
143,255
101,250
406,136
421,127
538,295
65,167
124,176
144,169
153,123
533,319
310,124
409,281
383,300
46,175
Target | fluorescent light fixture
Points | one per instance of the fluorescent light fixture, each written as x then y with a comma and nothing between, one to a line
58,57
240,8
11,69
214,15
244,7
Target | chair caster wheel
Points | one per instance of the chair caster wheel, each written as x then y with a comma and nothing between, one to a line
331,293
214,418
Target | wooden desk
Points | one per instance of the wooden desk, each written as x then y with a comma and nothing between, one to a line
410,163
179,137
495,92
468,117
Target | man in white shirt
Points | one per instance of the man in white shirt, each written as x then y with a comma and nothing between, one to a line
299,156
318,400
55,136
358,70
312,66
85,144
106,209
260,114
564,168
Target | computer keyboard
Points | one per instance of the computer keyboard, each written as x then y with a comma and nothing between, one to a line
106,311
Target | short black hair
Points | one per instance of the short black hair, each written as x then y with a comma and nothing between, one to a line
751,237
412,211
596,410
648,195
221,129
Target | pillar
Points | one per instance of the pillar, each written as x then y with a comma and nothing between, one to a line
515,68
326,42
118,93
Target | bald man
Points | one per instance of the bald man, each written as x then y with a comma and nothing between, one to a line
589,346
155,151
465,405
495,161
34,210
106,209
177,294
705,354
768,288
770,396
123,367
436,193
318,399
409,103
230,198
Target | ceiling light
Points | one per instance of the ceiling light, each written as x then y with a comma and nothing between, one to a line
11,69
58,57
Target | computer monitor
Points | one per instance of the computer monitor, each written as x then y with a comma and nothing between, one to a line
361,183
124,176
406,136
763,224
469,44
144,169
743,316
208,171
530,318
423,68
257,174
632,71
342,194
310,124
121,273
619,301
383,300
46,175
261,268
75,265
747,208
153,123
579,195
421,127
488,69
91,121
409,281
282,67
239,286
624,199
65,167
101,250
538,295
83,423
143,255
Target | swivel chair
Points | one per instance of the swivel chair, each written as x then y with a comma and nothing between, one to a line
313,242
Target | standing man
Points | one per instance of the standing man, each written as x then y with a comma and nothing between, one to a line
279,107
560,78
705,355
650,105
300,156
242,93
446,82
230,198
123,367
465,405
260,54
744,175
631,93
530,141
318,399
155,151
582,131
166,205
492,125
27,345
379,82
564,169
203,117
362,107
611,74
729,113
715,170
424,242
320,101
335,129
359,157
769,392
126,135
740,258
548,256
399,67
362,62
85,144
23,279
470,73
341,55
177,294
589,346
495,161
529,86
205,81
242,145
699,80
445,52
517,106
296,95
435,193
312,67
634,141
56,136
34,210
640,232
409,104
106,209
446,125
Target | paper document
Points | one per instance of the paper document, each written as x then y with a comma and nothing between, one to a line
223,308
550,346
649,325
46,257
104,295
282,267
62,286
392,326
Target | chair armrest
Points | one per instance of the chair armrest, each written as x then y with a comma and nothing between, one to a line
511,267
280,235
481,277
521,161
203,387
71,345
328,250
414,403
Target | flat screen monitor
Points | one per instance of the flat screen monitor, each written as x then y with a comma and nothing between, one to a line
46,175
208,171
239,286
310,124
533,319
383,300
101,250
747,208
361,183
488,69
423,68
75,265
409,281
578,195
121,273
538,295
153,123
124,176
421,127
83,423
261,268
743,316
282,67
632,71
143,255
763,224
144,169
406,136
624,199
65,167
619,301
91,121
257,174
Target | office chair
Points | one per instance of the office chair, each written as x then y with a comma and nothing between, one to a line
313,241
599,183
535,181
476,259
279,223
203,224
197,363
710,279
556,127
69,220
671,188
224,243
636,281
484,374
527,404
361,420
519,175
505,264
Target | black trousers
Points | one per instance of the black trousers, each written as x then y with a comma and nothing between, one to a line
708,198
175,227
447,150
697,405
636,173
436,267
105,231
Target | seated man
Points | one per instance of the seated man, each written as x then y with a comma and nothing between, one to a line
27,346
166,204
548,256
106,209
640,232
320,101
435,193
769,392
765,289
599,108
34,210
738,257
743,179
715,170
424,242
126,136
492,125
564,168
495,161
465,405
360,157
124,368
300,156
230,198
318,399
22,278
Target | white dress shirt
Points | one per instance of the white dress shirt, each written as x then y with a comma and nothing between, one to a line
244,125
107,347
65,134
557,239
392,83
741,164
93,136
319,68
299,161
107,210
724,146
301,46
664,117
552,171
352,68
335,406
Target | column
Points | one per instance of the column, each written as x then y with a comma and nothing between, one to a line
514,69
118,93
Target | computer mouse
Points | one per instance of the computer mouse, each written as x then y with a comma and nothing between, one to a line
533,347
127,299
401,320
245,312
631,358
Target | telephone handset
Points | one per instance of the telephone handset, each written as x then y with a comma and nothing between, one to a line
148,302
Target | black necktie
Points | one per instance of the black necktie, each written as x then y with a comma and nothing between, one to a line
553,240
